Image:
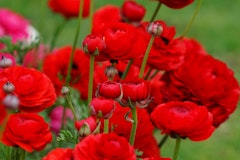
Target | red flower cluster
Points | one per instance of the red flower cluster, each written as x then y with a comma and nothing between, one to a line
28,131
206,81
34,89
183,119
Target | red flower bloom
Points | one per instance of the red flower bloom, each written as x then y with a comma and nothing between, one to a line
144,140
55,67
106,14
122,42
104,146
33,88
176,4
102,108
69,8
90,122
91,43
184,119
110,90
28,131
205,81
59,154
132,11
136,90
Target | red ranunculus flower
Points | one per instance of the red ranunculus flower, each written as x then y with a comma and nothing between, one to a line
205,81
55,66
132,11
34,89
176,4
28,131
110,90
122,42
184,119
102,108
104,146
136,89
106,14
59,154
144,140
91,43
69,8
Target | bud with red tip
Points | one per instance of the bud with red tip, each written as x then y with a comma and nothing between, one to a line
110,90
86,126
93,44
102,108
132,11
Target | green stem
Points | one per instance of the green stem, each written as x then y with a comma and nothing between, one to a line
90,83
154,74
56,34
92,6
176,149
163,140
148,73
63,117
127,69
189,25
134,125
144,62
156,11
106,125
68,77
22,154
71,106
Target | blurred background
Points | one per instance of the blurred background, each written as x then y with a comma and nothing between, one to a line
217,27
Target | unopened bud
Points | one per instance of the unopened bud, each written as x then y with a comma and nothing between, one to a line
155,29
8,87
110,72
11,102
84,130
5,62
65,90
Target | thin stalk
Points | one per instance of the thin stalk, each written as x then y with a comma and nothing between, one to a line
144,62
92,7
127,69
90,82
176,149
189,25
106,125
163,140
154,74
156,11
56,34
22,154
148,73
69,101
68,77
134,125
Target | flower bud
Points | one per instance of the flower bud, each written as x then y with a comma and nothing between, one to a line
110,90
11,102
102,108
8,87
86,126
110,72
155,29
65,90
93,44
132,11
5,62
